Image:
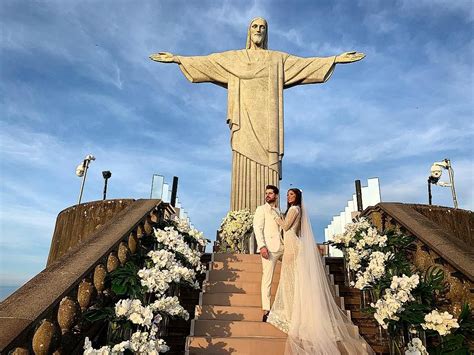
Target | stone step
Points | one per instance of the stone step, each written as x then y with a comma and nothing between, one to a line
349,290
369,330
244,299
229,313
334,260
231,257
224,328
240,276
236,287
352,300
238,266
236,345
232,299
197,345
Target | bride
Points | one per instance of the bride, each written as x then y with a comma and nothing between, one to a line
304,306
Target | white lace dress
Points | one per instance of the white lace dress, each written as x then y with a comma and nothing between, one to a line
280,313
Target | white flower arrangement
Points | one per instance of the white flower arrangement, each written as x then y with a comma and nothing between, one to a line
374,271
157,276
235,225
172,240
182,224
395,297
166,269
360,241
135,312
443,323
351,229
147,343
142,343
416,347
198,236
171,306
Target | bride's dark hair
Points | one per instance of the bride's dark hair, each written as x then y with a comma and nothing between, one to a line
297,202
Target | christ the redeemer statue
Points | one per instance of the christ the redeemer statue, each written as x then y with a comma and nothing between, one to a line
255,78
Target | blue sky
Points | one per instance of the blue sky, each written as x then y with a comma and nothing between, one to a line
76,79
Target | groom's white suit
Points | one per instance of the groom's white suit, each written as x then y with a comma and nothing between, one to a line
268,234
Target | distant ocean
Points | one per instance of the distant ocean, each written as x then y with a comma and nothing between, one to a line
6,291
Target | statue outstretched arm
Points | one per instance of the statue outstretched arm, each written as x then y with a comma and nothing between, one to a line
165,57
349,57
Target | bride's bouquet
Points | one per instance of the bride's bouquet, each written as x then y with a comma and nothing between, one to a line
236,228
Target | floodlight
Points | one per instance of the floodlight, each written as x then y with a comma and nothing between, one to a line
435,175
81,171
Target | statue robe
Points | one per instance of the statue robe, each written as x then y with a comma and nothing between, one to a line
255,80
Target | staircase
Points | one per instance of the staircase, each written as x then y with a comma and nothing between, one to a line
368,326
228,318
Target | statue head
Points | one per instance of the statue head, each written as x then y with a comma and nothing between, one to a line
257,35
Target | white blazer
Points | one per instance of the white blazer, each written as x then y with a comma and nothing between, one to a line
267,231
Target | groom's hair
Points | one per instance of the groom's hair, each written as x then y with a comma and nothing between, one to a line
274,188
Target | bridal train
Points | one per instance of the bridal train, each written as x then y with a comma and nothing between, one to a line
304,305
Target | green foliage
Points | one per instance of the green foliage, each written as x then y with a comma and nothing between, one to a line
96,314
125,281
466,322
183,260
452,344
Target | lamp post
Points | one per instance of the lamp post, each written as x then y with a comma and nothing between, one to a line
81,171
107,175
436,172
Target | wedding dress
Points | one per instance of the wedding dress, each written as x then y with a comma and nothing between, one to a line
304,305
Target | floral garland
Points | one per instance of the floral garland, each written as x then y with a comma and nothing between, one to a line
235,226
172,260
404,297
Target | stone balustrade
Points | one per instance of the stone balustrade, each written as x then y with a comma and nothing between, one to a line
443,239
44,316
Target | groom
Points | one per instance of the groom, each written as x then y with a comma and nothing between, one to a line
269,242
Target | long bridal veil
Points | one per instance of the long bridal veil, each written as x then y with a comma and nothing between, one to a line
318,325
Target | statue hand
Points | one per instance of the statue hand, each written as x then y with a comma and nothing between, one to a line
349,57
164,57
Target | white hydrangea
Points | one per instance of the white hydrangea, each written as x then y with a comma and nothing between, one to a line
395,297
235,225
443,323
171,306
416,347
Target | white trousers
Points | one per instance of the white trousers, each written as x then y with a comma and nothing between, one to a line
268,268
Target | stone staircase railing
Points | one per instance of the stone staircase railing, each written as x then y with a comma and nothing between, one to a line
443,237
44,315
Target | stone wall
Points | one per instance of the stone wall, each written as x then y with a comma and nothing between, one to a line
77,223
